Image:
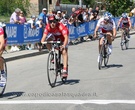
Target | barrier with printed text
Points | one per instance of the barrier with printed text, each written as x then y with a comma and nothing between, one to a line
21,34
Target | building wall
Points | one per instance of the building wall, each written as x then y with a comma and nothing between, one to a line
36,6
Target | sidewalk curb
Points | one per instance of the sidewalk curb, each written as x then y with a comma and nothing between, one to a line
25,55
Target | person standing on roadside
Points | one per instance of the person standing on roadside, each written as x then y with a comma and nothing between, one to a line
22,17
15,17
43,14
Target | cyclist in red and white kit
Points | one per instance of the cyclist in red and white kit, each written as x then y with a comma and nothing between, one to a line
125,22
55,30
2,48
106,25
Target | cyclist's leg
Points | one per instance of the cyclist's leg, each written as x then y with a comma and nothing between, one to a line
127,31
100,41
100,45
3,74
109,38
65,61
1,61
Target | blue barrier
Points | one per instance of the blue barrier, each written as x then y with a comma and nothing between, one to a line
21,34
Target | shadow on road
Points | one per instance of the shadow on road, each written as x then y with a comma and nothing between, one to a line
12,95
130,48
114,66
68,82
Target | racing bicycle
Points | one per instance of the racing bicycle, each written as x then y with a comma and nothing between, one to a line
124,40
3,85
54,63
104,53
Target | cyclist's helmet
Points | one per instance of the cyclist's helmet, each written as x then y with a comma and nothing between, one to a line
52,18
124,15
2,24
107,16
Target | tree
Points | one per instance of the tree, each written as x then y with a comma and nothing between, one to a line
117,7
8,6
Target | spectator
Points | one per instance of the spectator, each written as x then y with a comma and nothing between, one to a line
43,14
94,15
15,20
59,16
73,10
90,11
39,22
32,21
97,10
15,16
22,17
64,13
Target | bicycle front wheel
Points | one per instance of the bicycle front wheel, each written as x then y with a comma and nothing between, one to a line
106,55
122,44
101,55
52,69
4,66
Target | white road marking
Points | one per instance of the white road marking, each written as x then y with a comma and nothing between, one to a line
68,102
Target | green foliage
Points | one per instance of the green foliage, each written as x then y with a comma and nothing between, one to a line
69,1
89,3
7,7
117,7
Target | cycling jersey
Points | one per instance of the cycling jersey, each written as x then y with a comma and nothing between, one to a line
106,27
59,31
125,22
1,31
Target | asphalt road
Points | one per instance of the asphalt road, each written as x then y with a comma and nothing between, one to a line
87,88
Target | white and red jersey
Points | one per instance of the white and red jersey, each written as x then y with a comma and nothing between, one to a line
106,27
124,21
1,31
59,31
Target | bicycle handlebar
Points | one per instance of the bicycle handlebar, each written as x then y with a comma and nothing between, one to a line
51,42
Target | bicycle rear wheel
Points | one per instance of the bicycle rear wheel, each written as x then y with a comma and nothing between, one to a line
106,55
2,88
52,69
101,55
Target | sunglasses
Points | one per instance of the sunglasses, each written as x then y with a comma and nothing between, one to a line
52,21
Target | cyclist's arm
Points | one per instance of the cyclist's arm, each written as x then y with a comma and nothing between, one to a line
130,25
119,22
45,34
43,38
96,29
114,32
